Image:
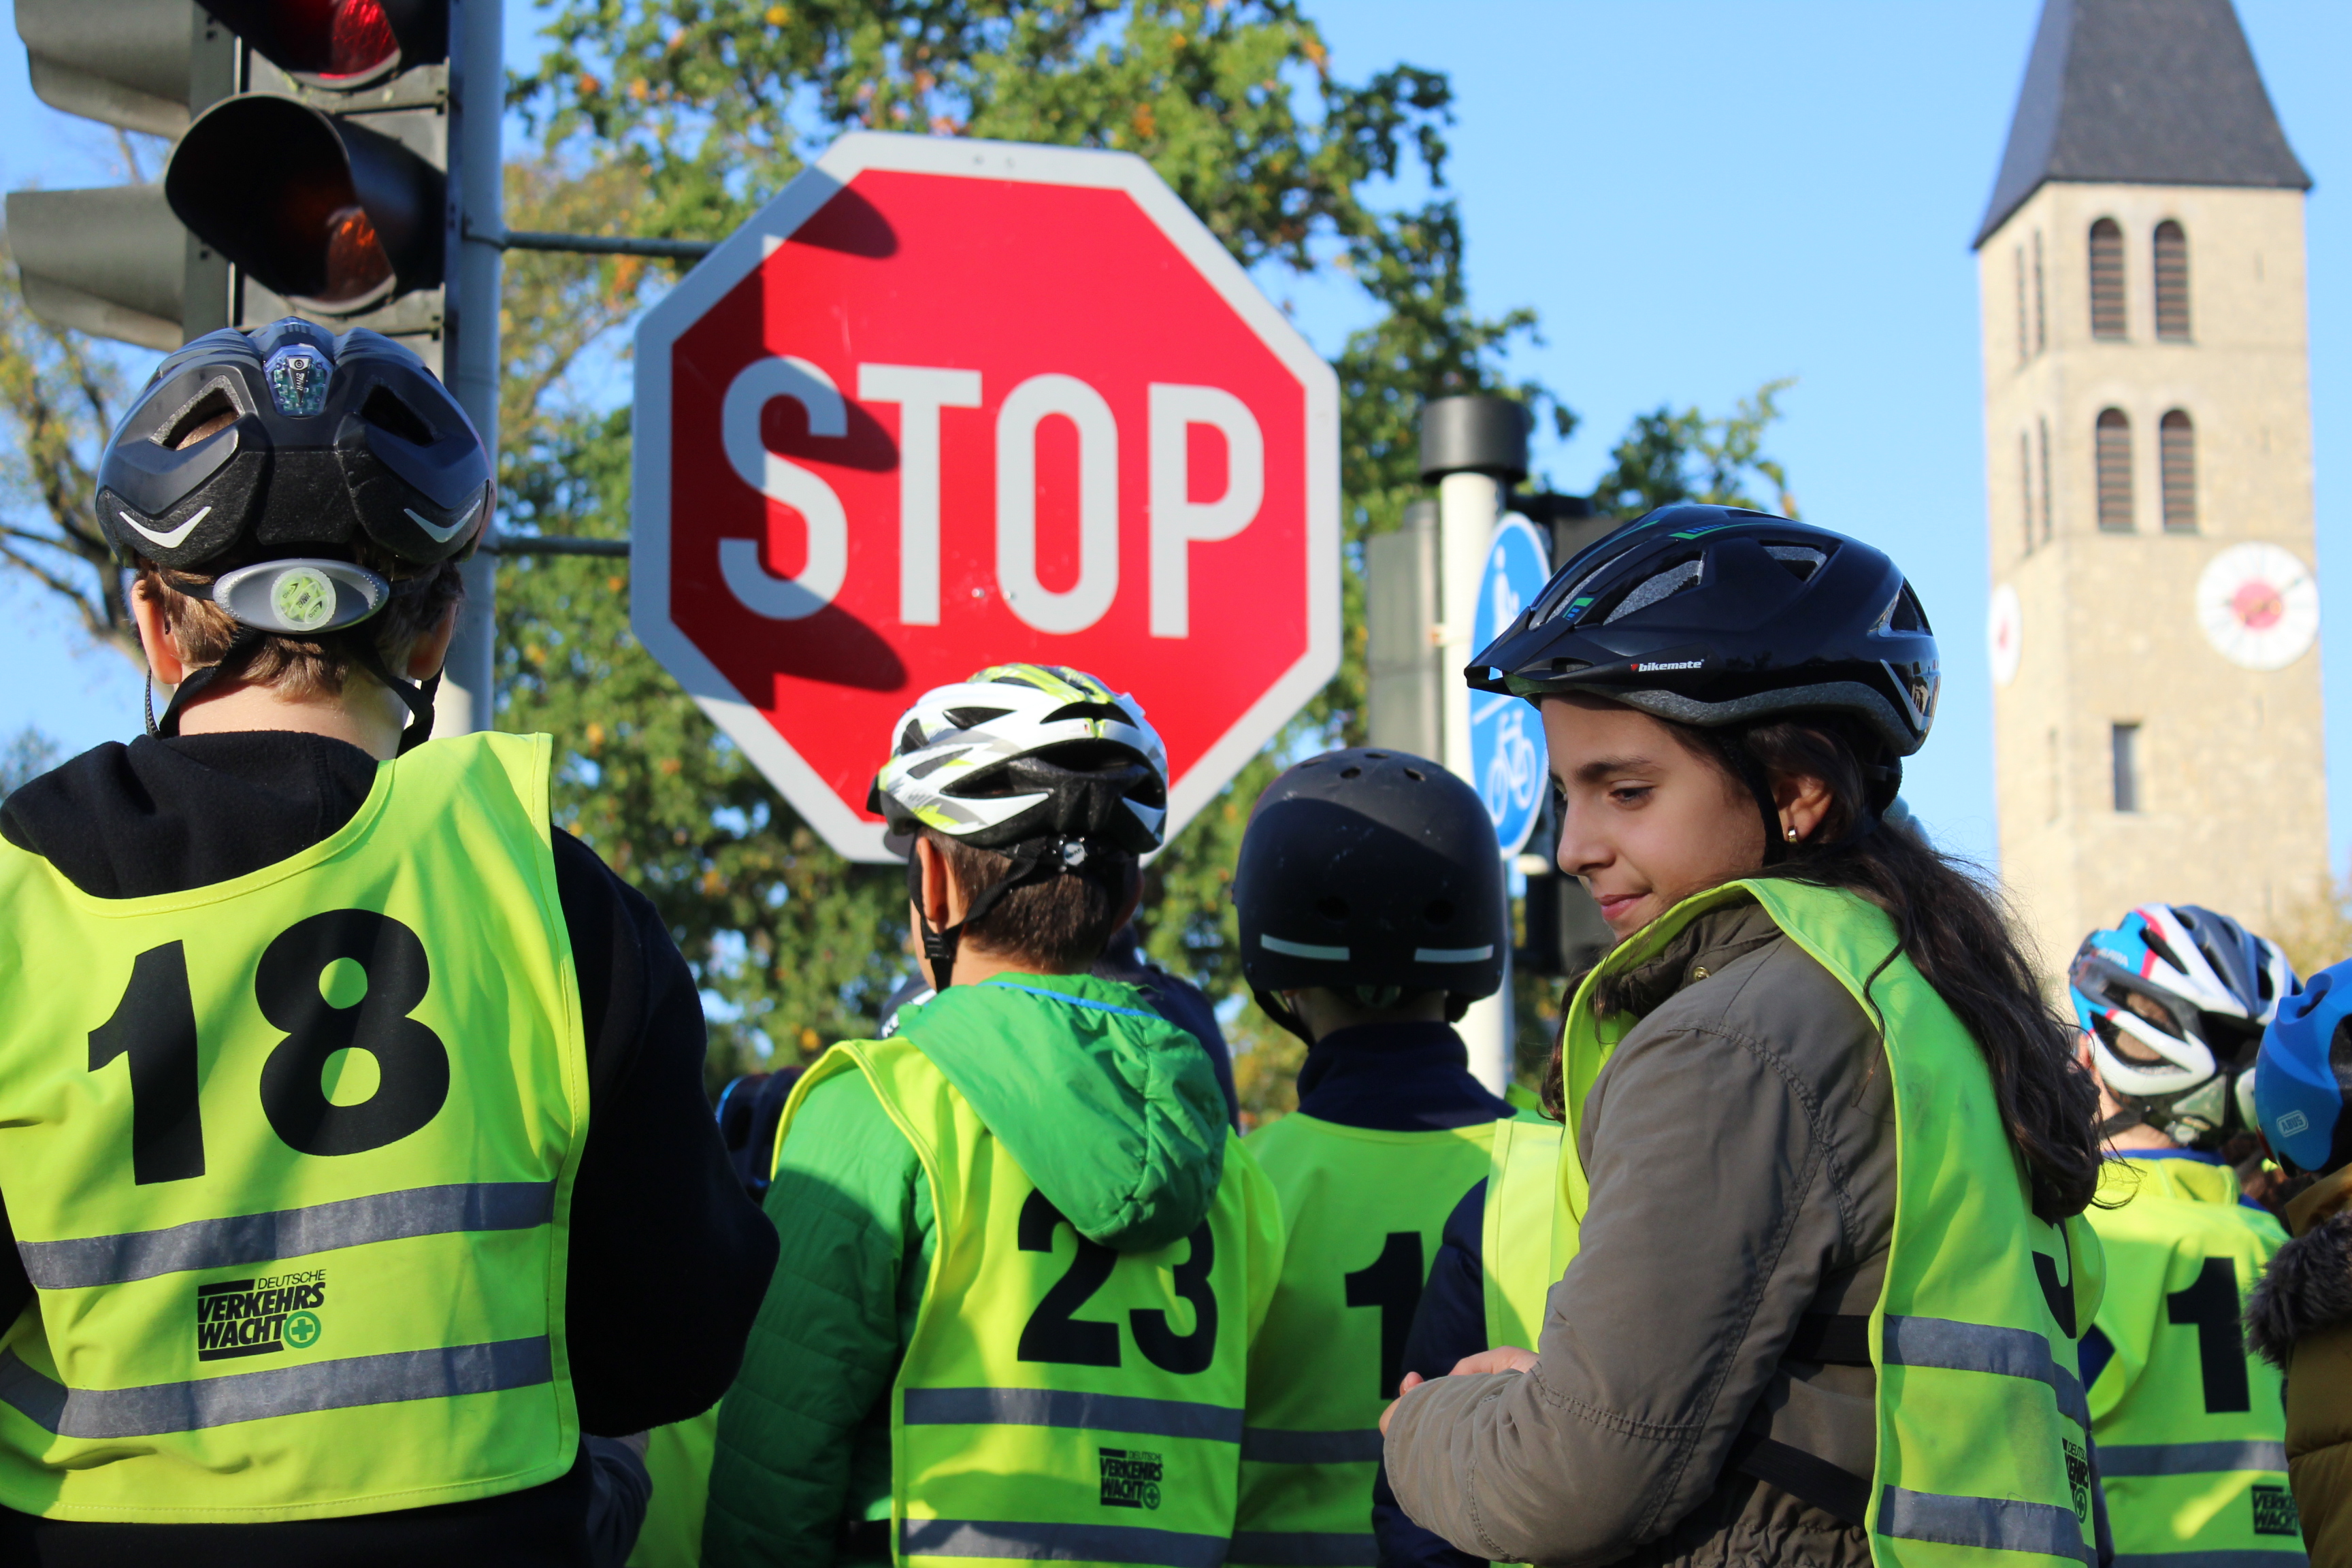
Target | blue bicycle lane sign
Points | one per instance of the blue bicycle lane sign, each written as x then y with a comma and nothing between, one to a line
1507,751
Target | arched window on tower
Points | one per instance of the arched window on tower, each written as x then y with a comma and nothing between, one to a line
2171,282
2176,445
2114,471
2106,279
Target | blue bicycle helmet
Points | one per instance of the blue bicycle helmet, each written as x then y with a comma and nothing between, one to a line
2305,1074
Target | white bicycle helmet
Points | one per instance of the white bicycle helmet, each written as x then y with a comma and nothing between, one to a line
1043,763
2174,999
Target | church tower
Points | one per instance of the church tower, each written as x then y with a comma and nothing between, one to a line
2154,625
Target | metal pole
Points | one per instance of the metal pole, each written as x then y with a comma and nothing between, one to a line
1472,447
477,97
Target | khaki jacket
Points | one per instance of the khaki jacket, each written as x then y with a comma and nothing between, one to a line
1741,1145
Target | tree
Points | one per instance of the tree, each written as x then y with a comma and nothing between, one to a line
23,757
1665,457
701,110
59,396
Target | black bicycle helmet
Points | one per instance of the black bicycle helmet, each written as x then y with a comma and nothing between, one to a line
1370,871
311,446
1718,616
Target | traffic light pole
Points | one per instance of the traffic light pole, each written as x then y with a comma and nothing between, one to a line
470,345
1473,448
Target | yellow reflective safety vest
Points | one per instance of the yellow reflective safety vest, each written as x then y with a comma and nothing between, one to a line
677,1462
290,1161
1058,1399
1362,1211
1982,1454
1527,1236
2191,1429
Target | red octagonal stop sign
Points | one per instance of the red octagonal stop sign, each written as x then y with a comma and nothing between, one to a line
945,404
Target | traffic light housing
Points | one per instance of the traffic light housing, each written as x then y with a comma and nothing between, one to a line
114,261
310,174
325,183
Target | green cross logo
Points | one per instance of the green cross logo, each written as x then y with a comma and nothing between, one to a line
302,1331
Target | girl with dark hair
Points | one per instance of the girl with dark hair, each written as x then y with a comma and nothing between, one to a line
1827,1145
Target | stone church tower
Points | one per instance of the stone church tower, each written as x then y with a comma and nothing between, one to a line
2147,428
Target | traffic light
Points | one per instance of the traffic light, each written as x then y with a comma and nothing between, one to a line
324,181
310,174
114,261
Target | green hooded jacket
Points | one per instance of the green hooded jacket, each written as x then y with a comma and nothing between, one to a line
1117,1117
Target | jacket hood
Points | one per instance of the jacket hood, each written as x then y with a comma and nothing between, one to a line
1114,1112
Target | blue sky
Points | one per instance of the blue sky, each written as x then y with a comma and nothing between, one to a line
1698,196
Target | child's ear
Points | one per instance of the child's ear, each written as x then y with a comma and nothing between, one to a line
163,658
432,649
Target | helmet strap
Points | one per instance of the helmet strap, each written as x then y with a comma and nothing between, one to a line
2123,1120
415,696
1038,855
1271,1004
245,640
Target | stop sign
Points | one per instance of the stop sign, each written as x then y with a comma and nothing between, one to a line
944,404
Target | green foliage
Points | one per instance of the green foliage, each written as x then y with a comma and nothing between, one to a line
686,114
1667,457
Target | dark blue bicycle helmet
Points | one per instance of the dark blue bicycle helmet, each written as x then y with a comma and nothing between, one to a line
267,459
1717,616
2305,1073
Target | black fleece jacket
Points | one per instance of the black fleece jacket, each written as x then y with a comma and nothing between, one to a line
654,1202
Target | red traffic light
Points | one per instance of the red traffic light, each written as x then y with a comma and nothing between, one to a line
339,42
315,208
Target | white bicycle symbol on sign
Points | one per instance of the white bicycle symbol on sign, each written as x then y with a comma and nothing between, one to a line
1515,774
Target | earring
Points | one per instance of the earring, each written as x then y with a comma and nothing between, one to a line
1792,835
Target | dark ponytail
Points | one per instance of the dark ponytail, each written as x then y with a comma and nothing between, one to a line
1955,932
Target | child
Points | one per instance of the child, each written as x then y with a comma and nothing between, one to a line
1725,697
1371,895
332,1239
1025,1254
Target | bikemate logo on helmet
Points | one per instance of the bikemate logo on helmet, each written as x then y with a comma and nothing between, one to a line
267,459
1044,765
2174,999
1717,616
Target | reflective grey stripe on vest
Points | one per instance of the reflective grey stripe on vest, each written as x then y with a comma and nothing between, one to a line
1303,1549
2236,1557
242,1240
162,1407
1083,1412
1986,1523
1275,1445
2191,1459
1059,1542
1980,1347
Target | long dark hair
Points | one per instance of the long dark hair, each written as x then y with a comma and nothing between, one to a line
1953,929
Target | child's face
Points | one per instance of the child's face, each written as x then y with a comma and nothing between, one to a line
1646,823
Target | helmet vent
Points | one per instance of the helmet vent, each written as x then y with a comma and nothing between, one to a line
1107,710
1801,561
385,410
1654,590
1351,772
973,718
1416,775
910,739
212,409
1905,614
